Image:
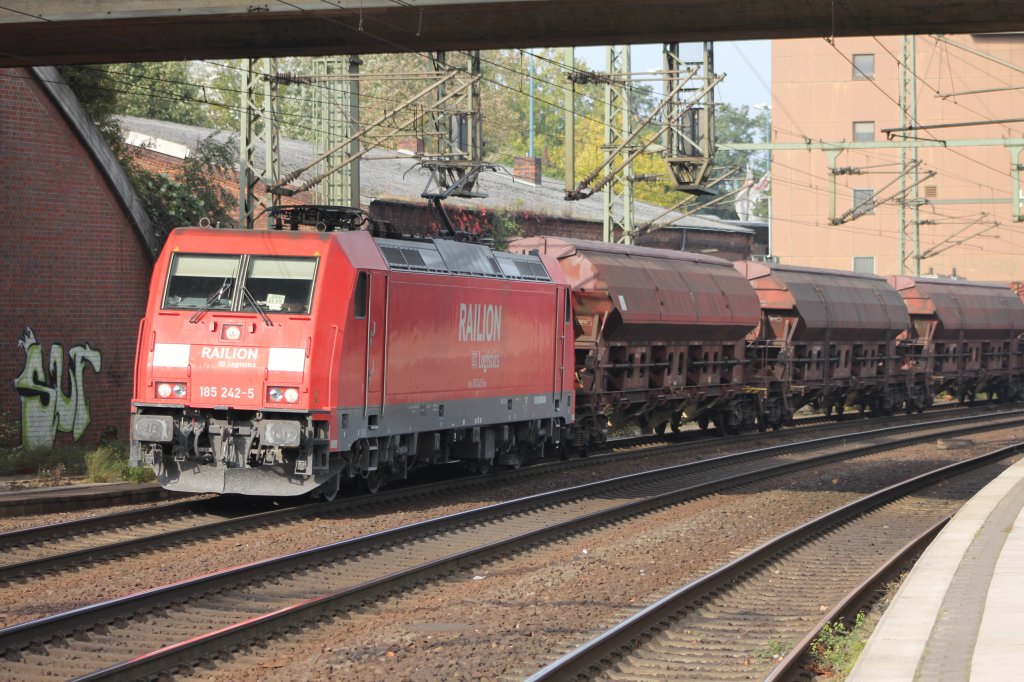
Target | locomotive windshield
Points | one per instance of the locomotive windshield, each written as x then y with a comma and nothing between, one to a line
201,282
208,282
279,284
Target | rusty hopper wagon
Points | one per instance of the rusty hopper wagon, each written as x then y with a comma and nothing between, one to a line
659,336
964,335
826,337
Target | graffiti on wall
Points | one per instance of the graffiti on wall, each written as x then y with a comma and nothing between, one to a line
45,407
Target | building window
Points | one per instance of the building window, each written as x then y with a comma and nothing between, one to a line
863,67
865,264
863,131
863,202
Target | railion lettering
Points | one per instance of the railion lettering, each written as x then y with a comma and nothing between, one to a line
479,322
228,353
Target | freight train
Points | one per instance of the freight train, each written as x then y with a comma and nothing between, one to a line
279,363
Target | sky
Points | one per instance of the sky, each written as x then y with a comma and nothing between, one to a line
746,65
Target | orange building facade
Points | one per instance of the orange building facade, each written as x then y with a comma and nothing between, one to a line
837,186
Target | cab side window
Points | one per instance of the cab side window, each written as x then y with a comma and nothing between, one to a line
362,295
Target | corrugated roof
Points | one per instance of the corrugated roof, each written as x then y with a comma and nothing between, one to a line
398,178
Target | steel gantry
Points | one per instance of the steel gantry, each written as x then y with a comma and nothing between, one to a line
446,113
337,107
259,120
832,150
682,121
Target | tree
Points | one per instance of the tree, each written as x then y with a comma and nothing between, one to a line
193,193
94,88
738,124
166,91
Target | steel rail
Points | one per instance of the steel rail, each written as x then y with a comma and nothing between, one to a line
61,529
102,552
75,497
845,607
591,657
17,637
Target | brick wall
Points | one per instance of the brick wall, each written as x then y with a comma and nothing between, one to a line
73,276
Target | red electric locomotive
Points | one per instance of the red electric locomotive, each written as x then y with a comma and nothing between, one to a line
278,363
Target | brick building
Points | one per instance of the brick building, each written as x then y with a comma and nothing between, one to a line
833,102
76,254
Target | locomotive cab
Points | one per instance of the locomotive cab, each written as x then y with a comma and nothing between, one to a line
223,377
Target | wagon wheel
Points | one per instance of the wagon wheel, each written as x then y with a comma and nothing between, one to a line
676,423
660,428
703,422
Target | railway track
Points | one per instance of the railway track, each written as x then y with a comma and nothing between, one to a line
71,544
33,501
78,497
781,594
129,637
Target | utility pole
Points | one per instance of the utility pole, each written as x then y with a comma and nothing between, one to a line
337,109
618,128
909,163
569,59
259,118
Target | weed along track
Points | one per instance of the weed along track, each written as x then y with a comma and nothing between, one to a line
166,628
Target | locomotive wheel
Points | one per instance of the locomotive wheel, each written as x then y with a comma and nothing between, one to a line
329,490
372,481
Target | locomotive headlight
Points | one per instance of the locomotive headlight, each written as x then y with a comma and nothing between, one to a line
276,394
166,390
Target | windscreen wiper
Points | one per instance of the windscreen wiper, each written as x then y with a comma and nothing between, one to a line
255,304
225,287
